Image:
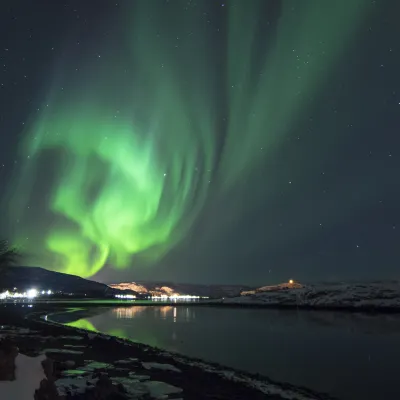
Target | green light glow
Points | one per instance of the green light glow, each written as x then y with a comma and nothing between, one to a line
134,138
139,336
82,324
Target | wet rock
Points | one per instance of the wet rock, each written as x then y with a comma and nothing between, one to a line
68,364
106,390
127,361
8,354
49,368
91,336
48,391
54,369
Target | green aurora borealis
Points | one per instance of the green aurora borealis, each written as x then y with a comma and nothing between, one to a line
164,119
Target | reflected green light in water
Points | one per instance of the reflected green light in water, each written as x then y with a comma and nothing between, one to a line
82,324
139,337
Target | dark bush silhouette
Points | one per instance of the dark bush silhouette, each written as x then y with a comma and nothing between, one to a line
9,255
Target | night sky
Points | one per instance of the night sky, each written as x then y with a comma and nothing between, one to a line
202,141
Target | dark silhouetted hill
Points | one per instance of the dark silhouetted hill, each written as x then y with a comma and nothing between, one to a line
25,278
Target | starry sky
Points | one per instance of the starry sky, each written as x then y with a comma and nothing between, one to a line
202,141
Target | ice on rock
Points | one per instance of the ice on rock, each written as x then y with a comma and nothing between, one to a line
165,367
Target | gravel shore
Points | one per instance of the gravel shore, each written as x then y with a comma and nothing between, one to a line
82,365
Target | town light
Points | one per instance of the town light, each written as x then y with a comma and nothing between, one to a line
31,293
125,296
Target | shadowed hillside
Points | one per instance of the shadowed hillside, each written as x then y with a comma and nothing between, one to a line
25,278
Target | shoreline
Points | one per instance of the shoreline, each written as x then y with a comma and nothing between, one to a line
197,379
100,303
307,307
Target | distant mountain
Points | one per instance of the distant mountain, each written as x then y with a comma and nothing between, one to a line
273,288
168,288
357,296
25,278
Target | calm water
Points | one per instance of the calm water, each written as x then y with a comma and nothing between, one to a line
350,356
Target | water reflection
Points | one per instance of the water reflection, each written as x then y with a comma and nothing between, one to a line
350,356
183,314
164,311
131,324
82,324
127,312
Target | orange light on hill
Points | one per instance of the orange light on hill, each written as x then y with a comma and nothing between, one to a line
291,281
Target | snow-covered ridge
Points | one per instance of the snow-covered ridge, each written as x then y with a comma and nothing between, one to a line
282,286
374,295
170,289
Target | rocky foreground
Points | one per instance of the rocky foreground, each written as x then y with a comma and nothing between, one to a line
48,361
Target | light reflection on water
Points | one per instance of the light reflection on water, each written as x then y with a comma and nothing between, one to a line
350,356
165,312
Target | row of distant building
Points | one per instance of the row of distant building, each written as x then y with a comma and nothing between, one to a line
34,293
28,294
162,293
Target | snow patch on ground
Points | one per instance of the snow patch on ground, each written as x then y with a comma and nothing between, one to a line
74,372
64,351
268,388
133,387
71,337
165,367
29,373
94,365
133,375
127,361
14,331
156,389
